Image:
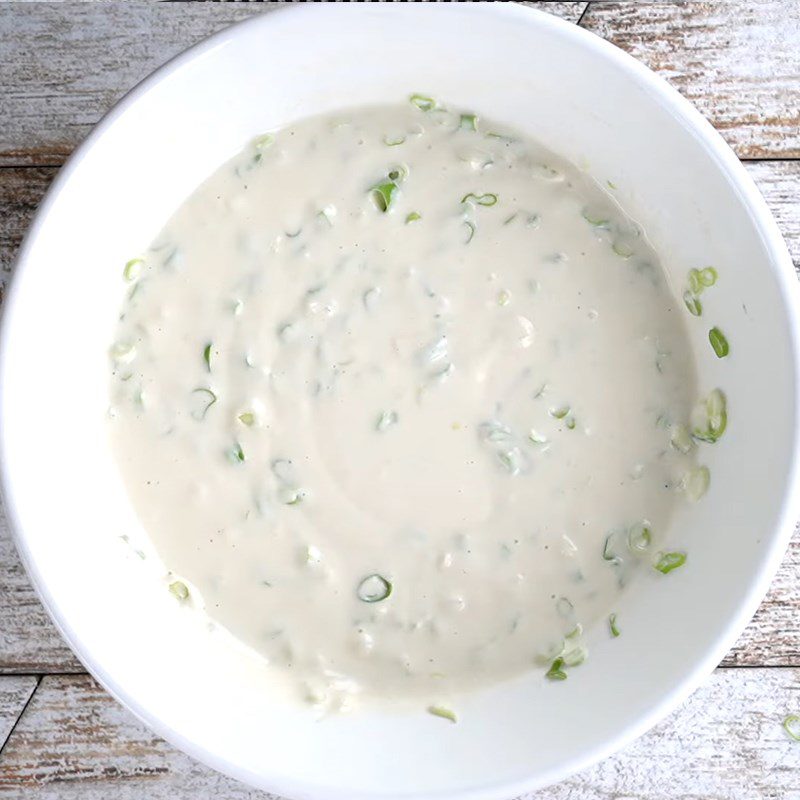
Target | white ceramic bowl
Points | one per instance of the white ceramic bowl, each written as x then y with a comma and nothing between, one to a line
584,99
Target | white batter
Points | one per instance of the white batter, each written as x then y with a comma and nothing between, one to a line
383,435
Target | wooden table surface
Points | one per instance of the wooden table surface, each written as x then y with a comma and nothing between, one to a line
62,65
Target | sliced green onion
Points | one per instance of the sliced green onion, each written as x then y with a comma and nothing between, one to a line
640,537
444,713
123,353
559,413
611,184
792,726
207,356
326,215
622,248
179,590
133,269
710,417
373,589
556,672
290,496
503,297
608,554
669,561
692,303
247,418
236,454
393,142
382,194
681,439
695,284
423,102
386,420
575,656
398,173
413,217
486,199
575,632
471,228
696,483
718,342
708,276
469,122
537,438
200,413
612,625
570,423
264,141
594,219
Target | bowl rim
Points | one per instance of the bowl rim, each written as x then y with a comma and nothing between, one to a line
782,268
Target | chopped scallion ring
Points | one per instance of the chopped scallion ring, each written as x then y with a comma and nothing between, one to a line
640,537
469,122
382,194
393,141
708,276
236,454
669,561
200,413
373,589
471,230
710,417
718,342
486,199
133,269
207,356
696,483
422,102
792,726
556,671
444,713
612,625
413,217
179,590
692,303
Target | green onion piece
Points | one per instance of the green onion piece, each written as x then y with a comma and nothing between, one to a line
575,657
792,726
559,413
608,554
575,632
398,173
611,184
537,438
708,276
444,713
487,199
681,439
692,302
570,423
122,352
622,248
236,453
669,561
696,483
639,537
710,417
422,102
556,673
382,194
503,297
386,420
718,342
393,142
594,219
469,122
179,590
207,356
290,496
471,229
612,625
413,217
264,141
133,269
200,413
695,284
373,589
247,418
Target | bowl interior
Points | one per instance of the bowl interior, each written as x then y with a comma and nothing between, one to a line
579,97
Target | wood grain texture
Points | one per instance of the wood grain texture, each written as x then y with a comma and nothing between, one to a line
15,691
738,61
29,642
63,65
74,742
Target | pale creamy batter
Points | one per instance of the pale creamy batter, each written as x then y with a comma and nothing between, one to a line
398,395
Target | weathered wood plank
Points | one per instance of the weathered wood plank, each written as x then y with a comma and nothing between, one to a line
63,65
29,641
15,691
737,60
74,741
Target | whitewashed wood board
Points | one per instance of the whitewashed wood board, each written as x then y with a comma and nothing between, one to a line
738,61
63,65
15,691
75,743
